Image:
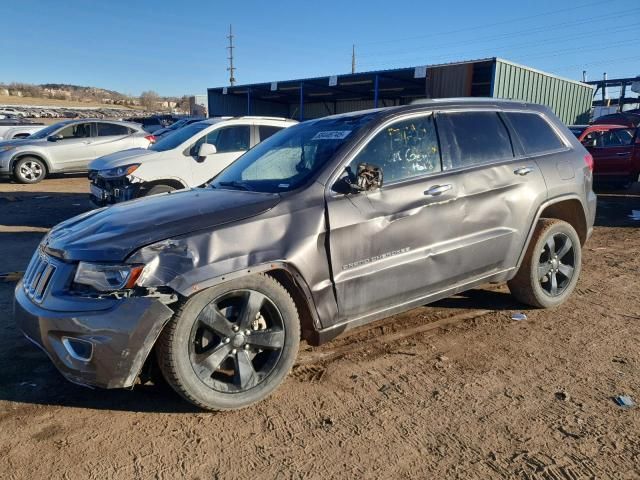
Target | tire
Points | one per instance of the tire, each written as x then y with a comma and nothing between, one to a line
219,354
29,170
156,189
534,282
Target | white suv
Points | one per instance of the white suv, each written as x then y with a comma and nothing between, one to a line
186,158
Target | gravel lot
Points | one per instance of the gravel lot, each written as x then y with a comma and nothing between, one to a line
456,389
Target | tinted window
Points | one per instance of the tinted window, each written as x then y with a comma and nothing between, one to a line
111,129
78,130
226,139
177,138
232,139
470,138
534,132
615,138
266,131
405,149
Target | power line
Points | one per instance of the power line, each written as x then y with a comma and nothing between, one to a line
514,47
486,25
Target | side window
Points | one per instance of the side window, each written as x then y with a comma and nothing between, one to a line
471,138
111,129
266,131
404,149
233,139
616,138
78,130
536,135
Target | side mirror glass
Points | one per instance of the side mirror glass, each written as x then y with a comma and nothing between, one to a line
205,150
368,178
589,142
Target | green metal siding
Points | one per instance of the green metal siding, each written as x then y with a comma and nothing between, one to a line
568,99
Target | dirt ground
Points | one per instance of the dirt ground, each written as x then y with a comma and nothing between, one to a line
452,390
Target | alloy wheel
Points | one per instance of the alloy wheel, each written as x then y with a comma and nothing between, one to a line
236,341
556,264
31,171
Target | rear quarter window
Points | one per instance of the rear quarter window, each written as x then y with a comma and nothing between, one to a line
535,133
472,138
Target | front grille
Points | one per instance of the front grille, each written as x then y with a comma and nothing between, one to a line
38,276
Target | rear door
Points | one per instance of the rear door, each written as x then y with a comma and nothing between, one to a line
111,137
230,141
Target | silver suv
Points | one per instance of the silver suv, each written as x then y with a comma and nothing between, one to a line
67,147
326,225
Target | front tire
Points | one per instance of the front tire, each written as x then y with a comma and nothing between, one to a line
156,189
550,269
231,345
29,170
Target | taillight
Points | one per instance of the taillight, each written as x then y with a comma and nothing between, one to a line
151,138
588,160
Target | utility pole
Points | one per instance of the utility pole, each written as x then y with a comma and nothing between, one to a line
231,69
353,58
584,75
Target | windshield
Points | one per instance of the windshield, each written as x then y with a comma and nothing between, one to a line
177,138
577,131
45,132
286,160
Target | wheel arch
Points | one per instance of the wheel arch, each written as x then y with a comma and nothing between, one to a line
20,155
290,278
171,182
568,208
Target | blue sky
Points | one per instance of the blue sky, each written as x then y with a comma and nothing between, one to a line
178,47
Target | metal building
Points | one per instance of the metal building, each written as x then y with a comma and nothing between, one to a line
307,98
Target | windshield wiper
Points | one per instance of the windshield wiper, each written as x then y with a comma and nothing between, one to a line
236,184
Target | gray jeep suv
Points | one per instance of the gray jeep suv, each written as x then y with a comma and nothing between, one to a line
326,225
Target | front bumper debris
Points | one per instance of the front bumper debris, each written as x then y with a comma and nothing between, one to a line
115,342
105,192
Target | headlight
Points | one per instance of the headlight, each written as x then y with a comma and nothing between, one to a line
106,277
6,148
119,171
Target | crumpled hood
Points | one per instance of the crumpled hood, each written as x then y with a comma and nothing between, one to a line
111,234
124,157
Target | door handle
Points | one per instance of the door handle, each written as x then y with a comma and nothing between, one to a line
437,190
623,154
523,171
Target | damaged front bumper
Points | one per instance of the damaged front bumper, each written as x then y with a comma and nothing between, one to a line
101,348
105,191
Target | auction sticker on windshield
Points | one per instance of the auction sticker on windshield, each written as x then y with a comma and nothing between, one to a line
332,135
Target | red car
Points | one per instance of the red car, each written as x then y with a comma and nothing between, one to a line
615,150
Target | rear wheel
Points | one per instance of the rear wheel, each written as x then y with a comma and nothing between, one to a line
551,266
231,345
29,170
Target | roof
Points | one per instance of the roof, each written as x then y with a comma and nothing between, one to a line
407,82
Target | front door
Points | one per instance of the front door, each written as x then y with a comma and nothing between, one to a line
230,143
440,220
72,151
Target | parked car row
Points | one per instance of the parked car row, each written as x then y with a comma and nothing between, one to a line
322,226
67,146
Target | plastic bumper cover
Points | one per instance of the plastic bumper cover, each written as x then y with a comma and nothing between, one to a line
121,337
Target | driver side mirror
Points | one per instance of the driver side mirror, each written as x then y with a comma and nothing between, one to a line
368,177
205,150
589,142
55,138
